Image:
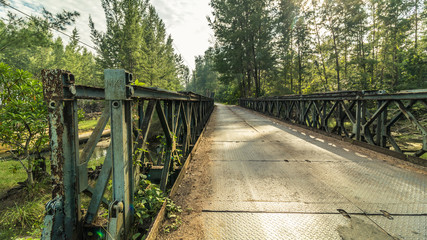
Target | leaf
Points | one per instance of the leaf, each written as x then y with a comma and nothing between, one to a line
136,235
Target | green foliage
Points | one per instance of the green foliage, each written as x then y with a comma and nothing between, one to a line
204,79
26,216
28,43
243,32
148,201
136,40
277,47
11,172
23,115
172,215
87,125
80,114
23,216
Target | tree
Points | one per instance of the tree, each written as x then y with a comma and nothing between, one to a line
23,116
302,42
243,31
395,25
26,43
79,61
205,78
136,40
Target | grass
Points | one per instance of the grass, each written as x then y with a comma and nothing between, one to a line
22,215
93,163
11,172
88,125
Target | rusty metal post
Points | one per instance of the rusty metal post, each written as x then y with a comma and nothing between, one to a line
64,209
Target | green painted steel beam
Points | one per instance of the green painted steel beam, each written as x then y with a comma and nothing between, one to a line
100,187
185,118
369,120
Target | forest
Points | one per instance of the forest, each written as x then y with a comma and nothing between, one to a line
135,40
259,48
278,47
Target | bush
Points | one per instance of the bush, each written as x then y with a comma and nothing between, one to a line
23,115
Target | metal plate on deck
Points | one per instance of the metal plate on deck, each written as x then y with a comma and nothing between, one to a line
403,227
271,226
273,182
371,185
246,151
281,207
227,135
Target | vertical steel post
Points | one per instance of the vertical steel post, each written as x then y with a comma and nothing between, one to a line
118,92
324,122
339,119
71,160
378,131
63,132
383,123
358,120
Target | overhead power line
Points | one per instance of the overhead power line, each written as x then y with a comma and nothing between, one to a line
59,31
85,44
176,48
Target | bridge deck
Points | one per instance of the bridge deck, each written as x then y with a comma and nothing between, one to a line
270,181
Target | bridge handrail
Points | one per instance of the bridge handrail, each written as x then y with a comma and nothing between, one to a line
365,116
350,95
129,109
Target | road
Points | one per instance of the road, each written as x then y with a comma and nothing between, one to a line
273,181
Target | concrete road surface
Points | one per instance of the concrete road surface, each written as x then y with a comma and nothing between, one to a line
271,181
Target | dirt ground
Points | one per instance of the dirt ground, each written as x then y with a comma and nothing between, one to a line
194,191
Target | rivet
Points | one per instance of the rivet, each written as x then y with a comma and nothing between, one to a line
116,104
52,104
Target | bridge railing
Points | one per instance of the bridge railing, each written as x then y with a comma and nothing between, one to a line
373,117
129,110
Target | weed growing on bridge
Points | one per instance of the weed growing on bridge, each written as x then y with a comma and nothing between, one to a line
148,202
172,216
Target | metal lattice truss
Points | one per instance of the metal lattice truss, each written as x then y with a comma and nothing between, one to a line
130,110
364,116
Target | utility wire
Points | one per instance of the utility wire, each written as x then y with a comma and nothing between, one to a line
59,31
87,45
176,48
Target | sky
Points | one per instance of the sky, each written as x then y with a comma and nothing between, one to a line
185,20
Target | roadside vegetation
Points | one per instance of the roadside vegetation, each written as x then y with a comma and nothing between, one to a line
261,48
279,47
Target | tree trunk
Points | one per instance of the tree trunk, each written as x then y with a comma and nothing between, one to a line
299,73
336,61
255,73
374,56
249,92
416,25
30,179
322,58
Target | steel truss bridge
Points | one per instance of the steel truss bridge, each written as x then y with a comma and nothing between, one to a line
263,174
